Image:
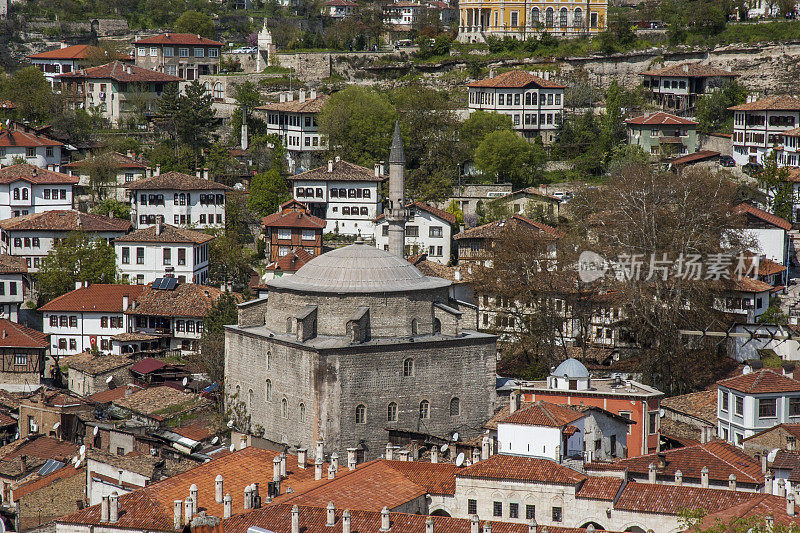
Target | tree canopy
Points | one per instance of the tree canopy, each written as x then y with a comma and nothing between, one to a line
507,157
78,257
195,22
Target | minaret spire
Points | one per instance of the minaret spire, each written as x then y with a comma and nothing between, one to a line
397,176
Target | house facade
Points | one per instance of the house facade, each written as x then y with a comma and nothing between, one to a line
23,351
770,235
129,169
760,125
162,250
345,195
755,401
64,59
292,227
27,189
87,317
33,236
19,143
677,87
117,91
13,280
184,55
663,135
339,9
428,230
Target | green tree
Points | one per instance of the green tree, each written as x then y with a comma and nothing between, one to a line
619,34
455,210
195,120
196,23
102,170
247,98
505,156
358,123
479,124
113,208
32,95
231,262
212,344
79,257
774,181
712,109
219,160
169,107
268,190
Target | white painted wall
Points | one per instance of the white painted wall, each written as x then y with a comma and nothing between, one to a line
188,214
194,269
43,158
437,248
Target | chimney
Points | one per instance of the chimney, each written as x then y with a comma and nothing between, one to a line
320,451
346,528
248,497
651,473
351,459
385,522
474,524
256,497
205,173
781,488
704,477
318,469
732,482
158,170
331,472
335,461
678,478
377,170
302,95
476,455
198,172
302,457
532,525
295,519
78,285
312,94
113,507
389,455
434,455
218,494
283,97
283,464
396,215
330,514
768,482
487,527
790,504
177,515
227,505
485,448
764,464
404,455
513,402
193,495
686,68
290,96
429,525
104,509
188,510
63,45
330,166
662,460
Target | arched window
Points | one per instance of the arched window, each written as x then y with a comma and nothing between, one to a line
548,17
361,414
207,87
408,367
269,363
238,392
577,20
562,17
284,408
535,16
250,399
424,409
391,412
302,413
455,407
289,325
437,326
218,92
182,199
414,326
268,390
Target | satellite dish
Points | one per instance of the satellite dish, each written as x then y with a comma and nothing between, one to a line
82,450
661,413
455,436
185,381
78,464
75,460
460,459
443,448
771,455
109,379
215,440
95,431
232,447
56,426
230,423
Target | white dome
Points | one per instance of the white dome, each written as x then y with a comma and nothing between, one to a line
358,268
571,369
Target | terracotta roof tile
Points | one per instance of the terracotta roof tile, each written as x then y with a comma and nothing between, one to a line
100,297
292,219
109,395
672,499
161,403
66,220
770,103
762,381
342,171
178,38
77,51
599,488
198,432
792,429
700,155
702,405
435,211
35,175
118,159
768,267
526,469
291,262
763,215
758,507
16,138
169,234
99,365
689,70
62,473
543,414
493,230
660,119
40,447
175,181
12,264
118,71
310,105
515,79
13,335
187,299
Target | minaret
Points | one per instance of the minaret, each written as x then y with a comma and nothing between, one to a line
396,215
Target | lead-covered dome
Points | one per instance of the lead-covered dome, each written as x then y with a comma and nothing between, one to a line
358,268
571,369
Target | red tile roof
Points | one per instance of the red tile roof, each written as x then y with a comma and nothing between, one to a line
147,365
673,499
65,220
515,79
118,71
15,138
62,473
770,103
543,414
292,219
435,211
168,234
109,395
760,214
526,469
13,335
768,267
792,429
40,447
291,262
700,155
187,299
100,298
34,174
11,264
120,160
757,508
77,51
494,229
341,171
660,119
721,458
760,382
689,70
188,39
599,488
175,181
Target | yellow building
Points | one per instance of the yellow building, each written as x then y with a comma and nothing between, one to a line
525,18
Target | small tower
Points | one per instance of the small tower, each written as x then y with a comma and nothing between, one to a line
265,48
396,216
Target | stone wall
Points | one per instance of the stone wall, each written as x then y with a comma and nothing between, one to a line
57,499
314,66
